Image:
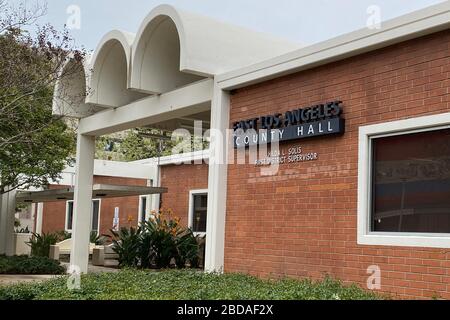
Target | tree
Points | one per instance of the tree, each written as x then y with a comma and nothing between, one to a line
132,145
35,146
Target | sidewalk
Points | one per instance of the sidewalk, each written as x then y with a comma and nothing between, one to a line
94,269
6,279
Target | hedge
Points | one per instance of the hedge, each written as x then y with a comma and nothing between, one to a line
30,265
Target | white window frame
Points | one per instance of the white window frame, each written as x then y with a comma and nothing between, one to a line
67,215
147,208
192,193
366,135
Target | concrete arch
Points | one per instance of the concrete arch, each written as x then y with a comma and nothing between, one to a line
110,68
72,88
206,48
160,59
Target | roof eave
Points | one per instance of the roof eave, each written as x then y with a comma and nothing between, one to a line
420,23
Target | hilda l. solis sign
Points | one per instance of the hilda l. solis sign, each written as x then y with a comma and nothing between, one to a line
314,121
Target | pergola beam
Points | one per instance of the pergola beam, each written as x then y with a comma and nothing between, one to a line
191,99
103,191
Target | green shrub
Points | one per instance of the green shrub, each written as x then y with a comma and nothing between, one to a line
30,265
187,249
40,244
185,285
160,238
160,242
99,240
126,244
63,235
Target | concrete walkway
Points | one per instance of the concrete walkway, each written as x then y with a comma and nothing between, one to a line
94,269
15,279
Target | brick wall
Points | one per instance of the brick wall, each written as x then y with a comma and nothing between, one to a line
180,180
54,214
302,222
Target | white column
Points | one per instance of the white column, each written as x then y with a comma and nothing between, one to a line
39,218
217,182
2,224
155,199
79,256
7,217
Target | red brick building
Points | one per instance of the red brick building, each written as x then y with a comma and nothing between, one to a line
303,221
355,182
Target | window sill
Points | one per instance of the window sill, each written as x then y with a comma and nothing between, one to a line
406,240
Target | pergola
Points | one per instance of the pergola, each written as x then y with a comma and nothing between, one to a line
102,191
66,191
163,76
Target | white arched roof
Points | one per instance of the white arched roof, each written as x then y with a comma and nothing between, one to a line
207,47
71,89
171,49
110,67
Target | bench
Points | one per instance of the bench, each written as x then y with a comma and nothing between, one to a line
104,256
64,248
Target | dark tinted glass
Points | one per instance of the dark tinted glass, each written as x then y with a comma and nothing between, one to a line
143,208
95,211
69,215
411,183
200,209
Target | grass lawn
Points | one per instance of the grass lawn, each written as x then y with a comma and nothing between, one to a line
183,285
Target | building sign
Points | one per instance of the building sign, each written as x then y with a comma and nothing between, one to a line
292,155
318,120
116,220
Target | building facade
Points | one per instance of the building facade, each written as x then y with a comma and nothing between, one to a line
303,221
356,179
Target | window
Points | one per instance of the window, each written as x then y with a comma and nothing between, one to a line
143,201
411,183
95,215
198,209
404,183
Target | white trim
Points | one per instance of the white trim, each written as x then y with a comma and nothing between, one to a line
192,193
419,23
147,207
134,170
366,134
92,211
177,159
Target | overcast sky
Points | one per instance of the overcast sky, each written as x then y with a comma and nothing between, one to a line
304,21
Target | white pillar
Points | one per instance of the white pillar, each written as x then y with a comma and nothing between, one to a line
39,218
2,224
155,199
79,256
7,218
217,182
